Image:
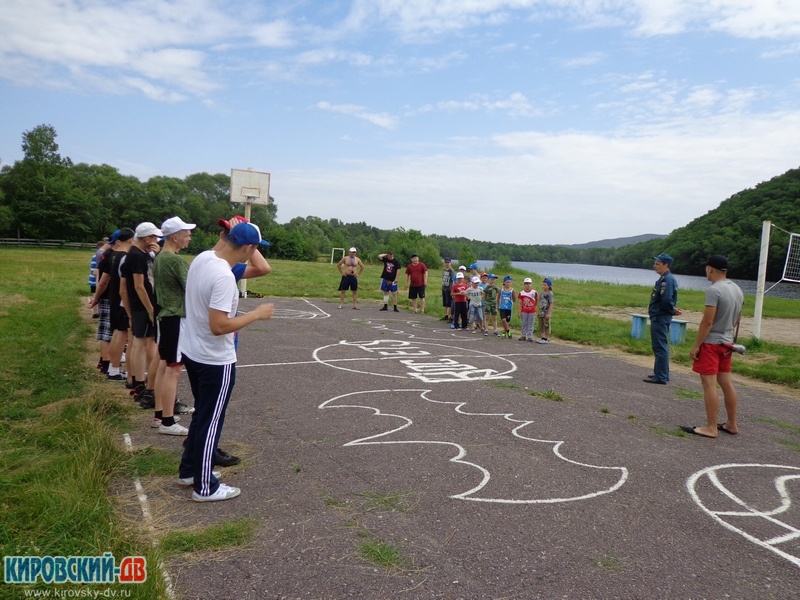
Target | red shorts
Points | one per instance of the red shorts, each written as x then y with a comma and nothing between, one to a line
712,359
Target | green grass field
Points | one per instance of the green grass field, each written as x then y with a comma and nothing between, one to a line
60,427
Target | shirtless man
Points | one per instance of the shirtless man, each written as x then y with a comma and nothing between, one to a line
350,268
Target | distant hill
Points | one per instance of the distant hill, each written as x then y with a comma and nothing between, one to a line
732,229
619,242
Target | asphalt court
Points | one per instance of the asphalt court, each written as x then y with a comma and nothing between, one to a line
504,494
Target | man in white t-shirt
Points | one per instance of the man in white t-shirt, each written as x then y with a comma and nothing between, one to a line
209,356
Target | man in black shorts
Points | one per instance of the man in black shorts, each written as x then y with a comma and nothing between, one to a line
417,281
350,268
391,266
141,306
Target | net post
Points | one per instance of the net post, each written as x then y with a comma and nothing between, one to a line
766,229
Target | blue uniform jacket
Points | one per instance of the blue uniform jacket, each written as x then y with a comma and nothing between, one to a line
663,298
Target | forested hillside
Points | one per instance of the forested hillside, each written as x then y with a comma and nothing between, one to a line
46,196
732,229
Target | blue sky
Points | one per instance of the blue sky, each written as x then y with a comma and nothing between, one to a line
524,121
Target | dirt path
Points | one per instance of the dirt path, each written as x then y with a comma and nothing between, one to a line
779,331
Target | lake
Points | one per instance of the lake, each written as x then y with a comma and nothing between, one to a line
627,276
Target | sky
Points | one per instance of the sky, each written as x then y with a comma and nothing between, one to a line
518,121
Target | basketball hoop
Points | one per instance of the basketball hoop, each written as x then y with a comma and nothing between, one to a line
249,187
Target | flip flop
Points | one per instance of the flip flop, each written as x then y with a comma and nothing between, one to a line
693,431
721,427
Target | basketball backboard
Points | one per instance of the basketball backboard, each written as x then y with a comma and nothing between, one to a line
249,186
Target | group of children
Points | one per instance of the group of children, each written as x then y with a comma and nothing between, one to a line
475,304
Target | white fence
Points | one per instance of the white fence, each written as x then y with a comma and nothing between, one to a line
46,243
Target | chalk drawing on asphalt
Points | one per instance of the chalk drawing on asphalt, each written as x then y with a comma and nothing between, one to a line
422,361
597,481
753,500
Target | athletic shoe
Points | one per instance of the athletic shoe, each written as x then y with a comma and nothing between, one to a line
223,459
385,307
453,326
184,481
542,341
445,318
156,422
496,334
224,492
522,338
147,399
118,377
395,309
173,429
485,332
530,338
122,360
182,409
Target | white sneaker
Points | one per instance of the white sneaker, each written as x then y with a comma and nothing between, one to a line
224,492
122,359
157,422
173,430
190,480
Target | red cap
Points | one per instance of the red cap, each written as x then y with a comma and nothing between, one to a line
226,225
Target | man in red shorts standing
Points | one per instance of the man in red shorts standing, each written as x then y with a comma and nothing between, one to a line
712,349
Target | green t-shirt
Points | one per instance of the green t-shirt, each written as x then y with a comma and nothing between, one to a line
169,276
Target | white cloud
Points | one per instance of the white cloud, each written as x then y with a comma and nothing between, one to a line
556,187
380,119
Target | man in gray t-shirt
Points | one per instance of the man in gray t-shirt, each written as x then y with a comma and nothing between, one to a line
712,353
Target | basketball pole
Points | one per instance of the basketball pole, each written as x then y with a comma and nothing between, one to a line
766,229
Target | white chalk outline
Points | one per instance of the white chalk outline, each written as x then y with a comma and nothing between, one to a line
462,452
749,511
292,313
472,352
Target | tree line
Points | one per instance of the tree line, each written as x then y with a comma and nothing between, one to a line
47,196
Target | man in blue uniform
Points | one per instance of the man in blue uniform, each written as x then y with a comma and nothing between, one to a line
663,301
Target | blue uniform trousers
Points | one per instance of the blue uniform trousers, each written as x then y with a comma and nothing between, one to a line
659,337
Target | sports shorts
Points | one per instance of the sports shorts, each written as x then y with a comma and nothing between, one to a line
505,315
349,282
712,359
416,291
142,326
447,298
169,329
388,286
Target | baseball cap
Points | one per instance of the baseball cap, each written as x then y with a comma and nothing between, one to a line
484,274
475,280
226,225
413,255
664,258
124,234
174,225
448,260
146,229
114,236
527,280
508,278
492,276
462,268
474,266
245,234
353,250
548,281
718,262
459,276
